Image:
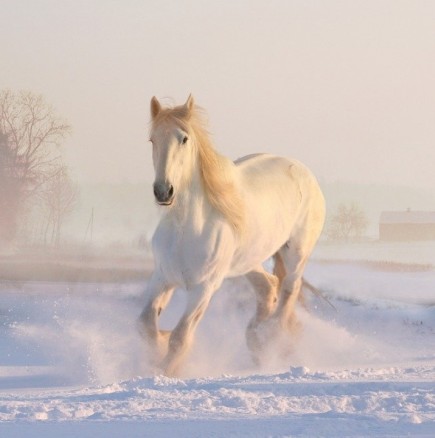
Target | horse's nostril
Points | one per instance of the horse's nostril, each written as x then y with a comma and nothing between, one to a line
163,192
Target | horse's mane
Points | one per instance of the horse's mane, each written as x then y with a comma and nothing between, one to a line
216,171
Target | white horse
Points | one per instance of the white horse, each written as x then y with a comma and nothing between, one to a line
224,219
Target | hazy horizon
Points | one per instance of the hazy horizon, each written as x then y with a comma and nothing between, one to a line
346,87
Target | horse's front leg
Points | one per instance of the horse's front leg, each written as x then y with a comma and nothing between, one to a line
159,293
181,337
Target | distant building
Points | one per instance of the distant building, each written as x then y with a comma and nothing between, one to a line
407,225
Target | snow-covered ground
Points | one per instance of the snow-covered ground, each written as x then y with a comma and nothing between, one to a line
72,363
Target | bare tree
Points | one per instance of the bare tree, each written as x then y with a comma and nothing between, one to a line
10,189
348,222
59,196
34,134
29,152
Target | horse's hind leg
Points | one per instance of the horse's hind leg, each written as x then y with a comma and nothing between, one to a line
266,287
294,258
159,295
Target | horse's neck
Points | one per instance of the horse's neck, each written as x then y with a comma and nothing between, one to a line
192,203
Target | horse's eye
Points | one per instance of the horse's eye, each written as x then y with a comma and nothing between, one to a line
184,141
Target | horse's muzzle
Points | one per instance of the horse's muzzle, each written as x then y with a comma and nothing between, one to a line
164,193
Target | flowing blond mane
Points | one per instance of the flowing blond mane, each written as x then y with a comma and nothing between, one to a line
216,171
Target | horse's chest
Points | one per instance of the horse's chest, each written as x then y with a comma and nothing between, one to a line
187,258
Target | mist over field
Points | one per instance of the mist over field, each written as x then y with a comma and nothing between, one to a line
346,87
119,217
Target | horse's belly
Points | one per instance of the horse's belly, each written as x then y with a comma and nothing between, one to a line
273,206
253,253
269,229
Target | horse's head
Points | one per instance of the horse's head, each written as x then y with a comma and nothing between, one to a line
173,154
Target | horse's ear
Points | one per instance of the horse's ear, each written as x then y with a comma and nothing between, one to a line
155,107
190,103
186,109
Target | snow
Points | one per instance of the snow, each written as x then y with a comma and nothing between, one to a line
72,363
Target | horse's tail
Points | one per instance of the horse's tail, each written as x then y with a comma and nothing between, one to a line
317,292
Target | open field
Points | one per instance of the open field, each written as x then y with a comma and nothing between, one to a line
125,264
74,267
73,363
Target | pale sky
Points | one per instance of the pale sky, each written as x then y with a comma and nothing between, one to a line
348,87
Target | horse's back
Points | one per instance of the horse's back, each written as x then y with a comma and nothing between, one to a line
269,167
284,181
277,176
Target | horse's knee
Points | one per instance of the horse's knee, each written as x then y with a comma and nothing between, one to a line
266,288
266,306
156,340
